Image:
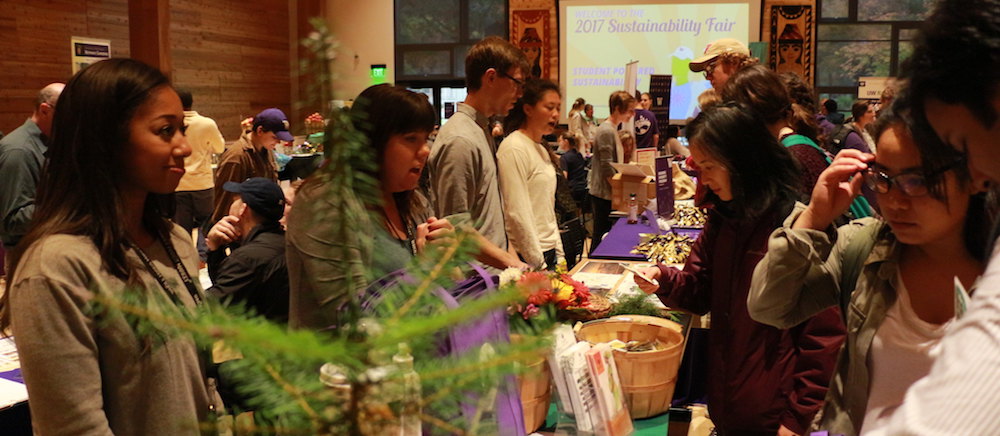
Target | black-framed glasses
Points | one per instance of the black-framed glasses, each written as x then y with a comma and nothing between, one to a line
518,82
710,67
912,184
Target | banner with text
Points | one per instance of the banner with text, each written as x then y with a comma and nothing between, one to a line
664,38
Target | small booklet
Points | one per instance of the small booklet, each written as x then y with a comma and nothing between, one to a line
581,389
608,389
563,338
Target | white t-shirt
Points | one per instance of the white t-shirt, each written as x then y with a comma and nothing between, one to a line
903,351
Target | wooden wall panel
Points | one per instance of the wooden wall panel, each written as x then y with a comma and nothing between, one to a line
234,56
36,49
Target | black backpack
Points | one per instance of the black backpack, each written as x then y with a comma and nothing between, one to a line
838,137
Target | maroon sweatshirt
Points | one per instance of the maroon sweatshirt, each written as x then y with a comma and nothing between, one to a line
759,377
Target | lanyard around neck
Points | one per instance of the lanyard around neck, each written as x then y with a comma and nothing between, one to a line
178,266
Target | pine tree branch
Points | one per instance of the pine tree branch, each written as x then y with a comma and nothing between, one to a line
448,254
441,424
293,391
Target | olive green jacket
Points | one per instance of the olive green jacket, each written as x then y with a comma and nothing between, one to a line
800,276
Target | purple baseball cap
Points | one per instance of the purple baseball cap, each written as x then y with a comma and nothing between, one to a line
273,120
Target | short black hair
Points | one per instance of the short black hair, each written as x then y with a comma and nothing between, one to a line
830,105
186,99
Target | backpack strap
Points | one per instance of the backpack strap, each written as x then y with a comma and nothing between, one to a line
852,261
797,139
839,136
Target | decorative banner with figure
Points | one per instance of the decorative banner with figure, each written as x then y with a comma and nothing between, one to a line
530,32
790,33
534,29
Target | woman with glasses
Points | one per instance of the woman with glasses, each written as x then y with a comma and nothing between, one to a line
896,279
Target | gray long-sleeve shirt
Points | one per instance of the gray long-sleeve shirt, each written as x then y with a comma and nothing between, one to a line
22,154
463,173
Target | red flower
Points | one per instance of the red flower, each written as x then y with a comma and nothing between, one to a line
533,282
541,297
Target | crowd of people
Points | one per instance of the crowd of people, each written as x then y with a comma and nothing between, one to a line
849,266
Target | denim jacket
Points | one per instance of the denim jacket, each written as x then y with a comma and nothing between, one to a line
799,276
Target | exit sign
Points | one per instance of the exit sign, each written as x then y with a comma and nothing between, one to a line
378,73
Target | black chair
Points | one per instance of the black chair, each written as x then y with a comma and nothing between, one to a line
574,236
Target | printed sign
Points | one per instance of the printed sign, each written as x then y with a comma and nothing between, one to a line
85,51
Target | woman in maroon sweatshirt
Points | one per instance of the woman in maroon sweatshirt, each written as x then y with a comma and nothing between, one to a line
762,380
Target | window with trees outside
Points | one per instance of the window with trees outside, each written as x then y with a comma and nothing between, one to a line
432,38
859,38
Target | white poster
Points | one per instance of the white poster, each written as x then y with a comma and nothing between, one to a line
85,51
870,88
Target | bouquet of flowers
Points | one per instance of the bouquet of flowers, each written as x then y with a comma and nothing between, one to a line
551,295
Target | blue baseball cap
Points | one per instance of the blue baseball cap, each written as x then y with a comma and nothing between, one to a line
273,120
262,196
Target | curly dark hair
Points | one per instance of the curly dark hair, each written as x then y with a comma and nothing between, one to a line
956,59
764,92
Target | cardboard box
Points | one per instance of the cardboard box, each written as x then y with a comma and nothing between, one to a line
632,179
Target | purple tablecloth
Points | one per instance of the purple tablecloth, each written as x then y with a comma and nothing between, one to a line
623,237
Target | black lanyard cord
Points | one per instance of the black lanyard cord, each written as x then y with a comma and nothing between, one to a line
178,266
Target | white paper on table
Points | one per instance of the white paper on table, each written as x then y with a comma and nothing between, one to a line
598,280
8,355
12,393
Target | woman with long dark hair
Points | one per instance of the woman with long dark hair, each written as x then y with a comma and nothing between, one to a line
906,265
528,178
762,380
117,142
397,123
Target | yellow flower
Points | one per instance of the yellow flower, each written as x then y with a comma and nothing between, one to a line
562,290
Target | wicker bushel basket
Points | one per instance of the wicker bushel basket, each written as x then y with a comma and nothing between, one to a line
536,394
648,378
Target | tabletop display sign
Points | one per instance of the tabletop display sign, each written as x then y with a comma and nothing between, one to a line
664,187
86,51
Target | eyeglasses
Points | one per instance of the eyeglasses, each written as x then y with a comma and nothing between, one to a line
912,184
518,82
710,67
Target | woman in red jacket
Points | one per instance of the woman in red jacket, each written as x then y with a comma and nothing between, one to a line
762,380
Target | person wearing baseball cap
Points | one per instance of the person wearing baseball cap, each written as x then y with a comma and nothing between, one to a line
251,156
254,273
722,58
272,120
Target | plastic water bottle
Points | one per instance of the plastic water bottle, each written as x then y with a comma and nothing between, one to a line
633,209
409,401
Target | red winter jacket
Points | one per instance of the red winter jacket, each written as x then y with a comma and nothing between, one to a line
760,377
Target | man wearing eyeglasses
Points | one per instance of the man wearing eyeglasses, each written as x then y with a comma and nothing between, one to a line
722,59
22,154
462,167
